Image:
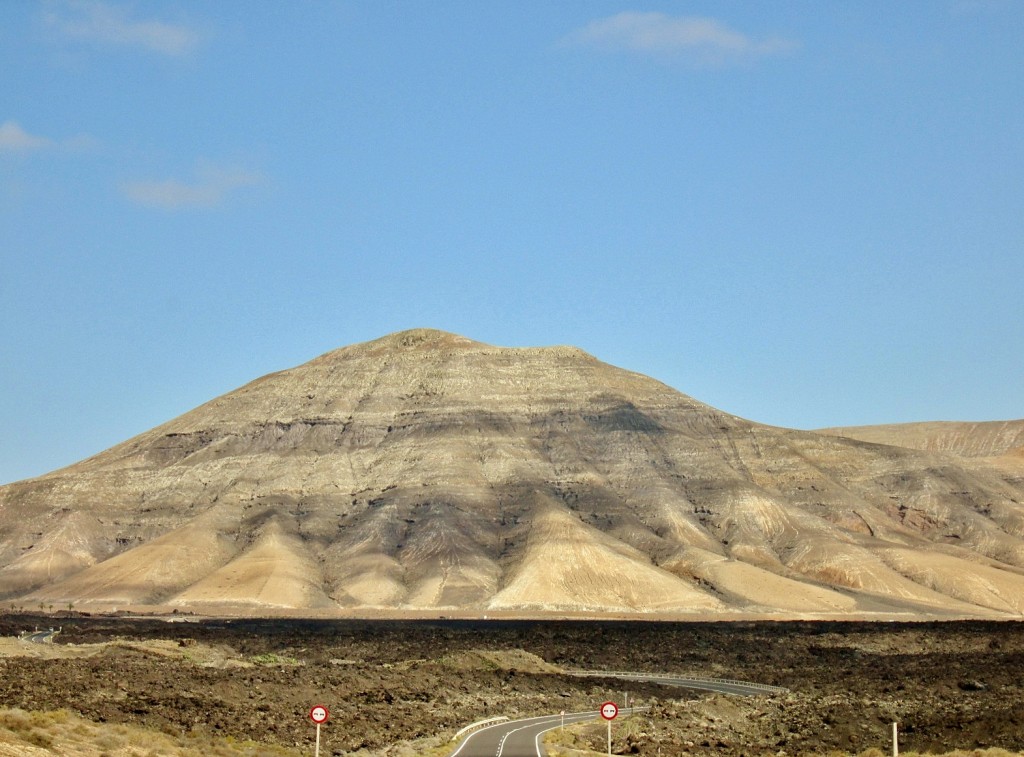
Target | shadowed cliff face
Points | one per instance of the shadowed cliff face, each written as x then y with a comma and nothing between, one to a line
425,471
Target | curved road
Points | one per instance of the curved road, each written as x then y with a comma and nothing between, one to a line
523,738
519,738
41,637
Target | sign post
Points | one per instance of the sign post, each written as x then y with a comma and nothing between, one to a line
609,710
318,714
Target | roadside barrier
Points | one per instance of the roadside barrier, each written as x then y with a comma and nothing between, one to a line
634,676
477,724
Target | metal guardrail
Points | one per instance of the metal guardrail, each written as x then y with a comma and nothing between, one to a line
634,675
478,724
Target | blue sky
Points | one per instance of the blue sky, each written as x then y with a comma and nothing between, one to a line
805,213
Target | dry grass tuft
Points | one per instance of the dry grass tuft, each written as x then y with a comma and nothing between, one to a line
28,734
587,739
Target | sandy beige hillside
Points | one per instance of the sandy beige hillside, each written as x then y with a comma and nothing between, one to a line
427,472
988,439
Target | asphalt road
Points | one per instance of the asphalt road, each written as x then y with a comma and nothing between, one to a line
519,738
522,738
41,637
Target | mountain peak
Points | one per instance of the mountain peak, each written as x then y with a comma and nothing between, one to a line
421,338
426,471
433,344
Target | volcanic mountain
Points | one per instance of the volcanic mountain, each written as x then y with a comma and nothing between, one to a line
425,472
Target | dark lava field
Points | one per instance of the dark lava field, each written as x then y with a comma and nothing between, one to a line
949,685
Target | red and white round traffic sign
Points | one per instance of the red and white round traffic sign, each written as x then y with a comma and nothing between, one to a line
319,714
609,710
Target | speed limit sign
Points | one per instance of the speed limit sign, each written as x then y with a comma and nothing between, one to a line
609,710
318,714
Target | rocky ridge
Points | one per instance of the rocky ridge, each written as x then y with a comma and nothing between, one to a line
992,439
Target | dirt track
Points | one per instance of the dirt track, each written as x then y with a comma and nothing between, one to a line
950,685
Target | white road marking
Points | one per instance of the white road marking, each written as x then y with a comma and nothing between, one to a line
554,721
475,733
529,723
501,746
575,719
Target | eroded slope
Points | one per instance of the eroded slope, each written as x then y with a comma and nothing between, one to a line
424,471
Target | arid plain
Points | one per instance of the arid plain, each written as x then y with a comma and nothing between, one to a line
401,688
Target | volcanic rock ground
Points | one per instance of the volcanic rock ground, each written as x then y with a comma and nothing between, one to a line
389,683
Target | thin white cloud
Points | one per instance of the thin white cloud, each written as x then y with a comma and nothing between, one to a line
211,187
704,41
15,139
103,23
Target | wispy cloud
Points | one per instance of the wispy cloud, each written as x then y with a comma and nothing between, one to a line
210,188
15,139
702,41
107,24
